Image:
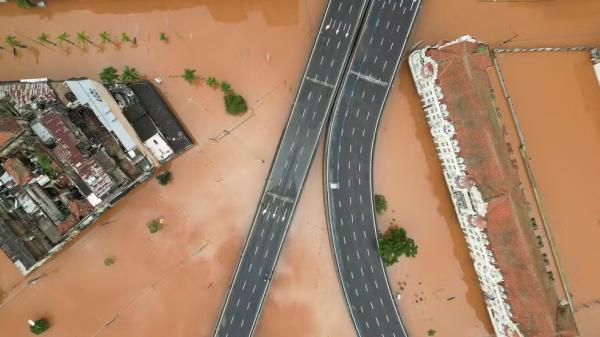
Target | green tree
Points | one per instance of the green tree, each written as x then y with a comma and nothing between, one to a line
154,226
125,37
189,75
105,37
109,75
25,3
46,164
234,103
164,178
395,243
130,75
380,204
45,39
64,38
225,87
163,37
109,261
12,41
39,326
431,332
211,82
83,38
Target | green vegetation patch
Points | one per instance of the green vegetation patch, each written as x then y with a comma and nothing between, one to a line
234,103
39,326
395,243
154,226
380,203
164,178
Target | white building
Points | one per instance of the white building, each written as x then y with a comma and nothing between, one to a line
469,205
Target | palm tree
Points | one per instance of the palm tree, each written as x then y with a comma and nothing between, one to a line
163,37
189,75
109,75
105,37
130,74
225,87
12,41
125,37
45,39
25,3
211,82
64,38
82,38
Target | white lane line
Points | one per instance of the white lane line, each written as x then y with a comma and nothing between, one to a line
267,252
367,324
255,250
248,305
381,301
377,321
244,285
366,287
242,324
365,233
372,306
260,271
347,257
250,267
372,271
361,271
272,235
352,275
358,254
253,288
344,238
237,303
376,285
387,318
232,319
354,235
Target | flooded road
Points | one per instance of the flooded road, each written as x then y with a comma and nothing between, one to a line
260,47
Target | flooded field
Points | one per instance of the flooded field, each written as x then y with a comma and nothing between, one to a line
558,106
173,283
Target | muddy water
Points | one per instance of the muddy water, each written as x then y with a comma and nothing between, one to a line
557,102
260,47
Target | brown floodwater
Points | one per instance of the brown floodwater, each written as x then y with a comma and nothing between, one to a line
558,106
166,284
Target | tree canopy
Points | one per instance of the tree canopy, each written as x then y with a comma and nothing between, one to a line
189,75
395,243
130,74
380,204
109,75
25,3
234,103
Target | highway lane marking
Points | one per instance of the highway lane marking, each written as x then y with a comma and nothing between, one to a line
347,257
260,270
391,45
363,132
361,309
360,150
367,324
267,252
387,317
404,11
309,93
302,116
359,165
368,114
244,285
353,134
366,287
349,186
359,181
376,284
342,222
369,78
377,321
368,252
352,218
365,233
250,267
358,254
238,302
314,114
356,292
301,150
248,306
362,216
352,275
361,271
372,306
381,301
384,65
375,59
262,232
383,38
272,235
307,133
358,109
232,319
253,288
350,197
344,238
354,234
372,271
386,27
242,324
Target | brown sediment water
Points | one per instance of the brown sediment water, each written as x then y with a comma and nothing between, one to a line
557,104
161,284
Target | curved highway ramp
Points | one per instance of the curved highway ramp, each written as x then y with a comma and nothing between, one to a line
348,166
314,100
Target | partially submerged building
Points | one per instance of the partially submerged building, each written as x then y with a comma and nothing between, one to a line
67,153
484,186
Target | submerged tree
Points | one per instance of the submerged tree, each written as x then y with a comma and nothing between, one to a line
189,75
83,38
380,204
105,37
25,3
109,75
395,243
64,38
45,39
125,37
164,178
234,103
12,41
211,82
37,327
130,74
225,87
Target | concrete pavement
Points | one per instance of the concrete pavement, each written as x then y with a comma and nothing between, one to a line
348,166
326,65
